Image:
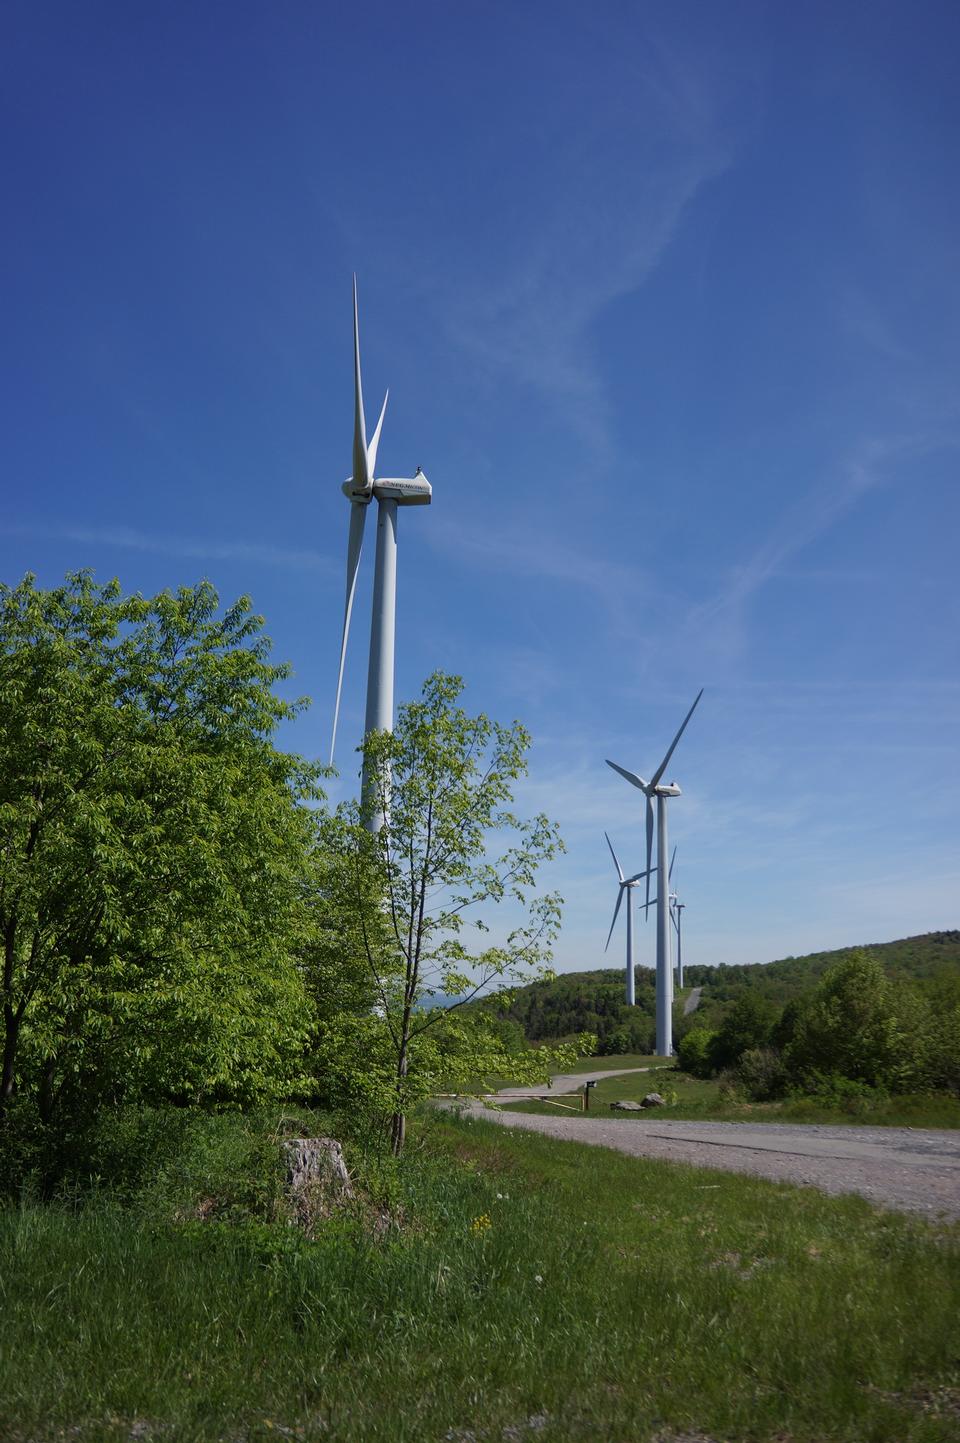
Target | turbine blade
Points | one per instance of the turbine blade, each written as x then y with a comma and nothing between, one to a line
614,856
361,473
375,441
646,905
615,911
666,761
672,860
638,876
358,515
630,776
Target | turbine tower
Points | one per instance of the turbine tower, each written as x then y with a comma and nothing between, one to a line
360,489
652,789
626,885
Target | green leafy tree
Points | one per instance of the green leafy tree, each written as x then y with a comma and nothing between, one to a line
859,1026
152,849
748,1025
443,781
695,1051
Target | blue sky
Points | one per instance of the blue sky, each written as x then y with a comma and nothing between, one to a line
668,300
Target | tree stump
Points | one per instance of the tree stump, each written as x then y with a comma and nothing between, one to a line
317,1178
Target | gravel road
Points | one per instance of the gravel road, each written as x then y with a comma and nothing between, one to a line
911,1169
565,1084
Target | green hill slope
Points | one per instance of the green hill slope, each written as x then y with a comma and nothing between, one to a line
593,1001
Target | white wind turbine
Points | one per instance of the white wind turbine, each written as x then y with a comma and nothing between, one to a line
652,789
676,907
626,885
389,492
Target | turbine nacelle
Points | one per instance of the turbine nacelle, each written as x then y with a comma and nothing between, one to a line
412,491
406,491
670,790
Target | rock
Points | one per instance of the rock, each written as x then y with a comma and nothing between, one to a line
317,1177
626,1107
653,1099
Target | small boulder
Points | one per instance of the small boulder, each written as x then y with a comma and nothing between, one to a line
626,1107
653,1099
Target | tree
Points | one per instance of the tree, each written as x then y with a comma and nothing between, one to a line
443,782
153,848
858,1026
747,1025
694,1051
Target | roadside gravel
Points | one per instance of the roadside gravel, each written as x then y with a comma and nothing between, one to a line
913,1170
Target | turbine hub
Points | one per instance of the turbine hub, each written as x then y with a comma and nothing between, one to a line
356,492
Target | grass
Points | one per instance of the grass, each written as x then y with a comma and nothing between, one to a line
535,1293
691,1099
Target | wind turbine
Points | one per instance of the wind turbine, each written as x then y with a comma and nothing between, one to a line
626,885
652,789
676,907
360,489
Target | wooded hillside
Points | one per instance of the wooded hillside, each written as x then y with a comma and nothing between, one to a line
594,1002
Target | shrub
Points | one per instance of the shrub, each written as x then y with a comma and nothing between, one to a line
858,1026
761,1074
695,1050
749,1024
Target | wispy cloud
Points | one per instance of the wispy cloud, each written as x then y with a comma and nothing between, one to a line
534,327
583,221
183,547
612,583
867,466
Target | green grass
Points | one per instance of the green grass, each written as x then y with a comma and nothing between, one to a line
691,1099
606,1298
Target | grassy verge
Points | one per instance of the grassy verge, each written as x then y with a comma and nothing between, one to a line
534,1293
694,1100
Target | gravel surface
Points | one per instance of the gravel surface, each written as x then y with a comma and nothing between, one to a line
911,1169
565,1084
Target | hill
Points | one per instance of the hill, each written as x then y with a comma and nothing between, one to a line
577,1002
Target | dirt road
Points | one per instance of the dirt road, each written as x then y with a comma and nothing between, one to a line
564,1084
914,1170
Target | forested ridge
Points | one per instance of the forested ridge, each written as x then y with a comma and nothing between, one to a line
593,1001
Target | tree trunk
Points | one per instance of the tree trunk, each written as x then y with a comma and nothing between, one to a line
317,1178
10,1040
398,1123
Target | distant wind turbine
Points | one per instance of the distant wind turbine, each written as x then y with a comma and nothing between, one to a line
676,907
652,789
389,492
626,885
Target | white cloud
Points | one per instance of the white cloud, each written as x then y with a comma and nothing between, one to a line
188,548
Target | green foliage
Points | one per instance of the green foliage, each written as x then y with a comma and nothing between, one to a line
418,894
748,1025
154,847
762,1009
761,1074
695,1052
859,1026
576,1002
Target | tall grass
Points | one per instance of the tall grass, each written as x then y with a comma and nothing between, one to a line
524,1290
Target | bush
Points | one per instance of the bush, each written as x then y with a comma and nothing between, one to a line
761,1074
170,1162
749,1024
845,1094
858,1026
695,1050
